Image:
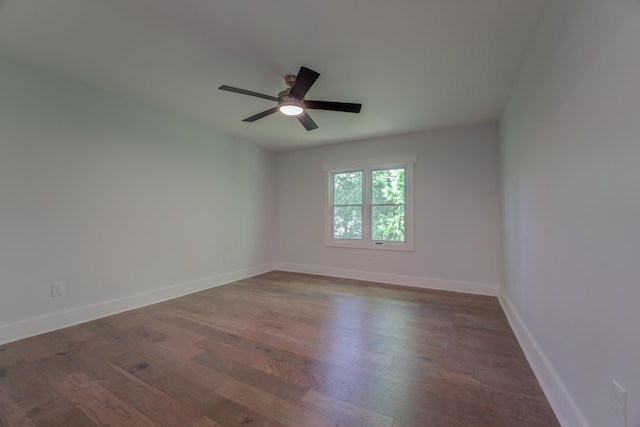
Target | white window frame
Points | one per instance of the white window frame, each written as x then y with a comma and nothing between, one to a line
366,166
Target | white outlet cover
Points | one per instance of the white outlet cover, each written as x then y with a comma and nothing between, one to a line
619,402
57,289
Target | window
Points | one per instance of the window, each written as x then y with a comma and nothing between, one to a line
370,204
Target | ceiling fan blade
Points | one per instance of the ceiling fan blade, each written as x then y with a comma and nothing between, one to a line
307,122
261,115
248,92
304,80
333,106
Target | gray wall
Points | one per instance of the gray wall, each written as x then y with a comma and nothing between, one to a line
571,167
124,204
457,211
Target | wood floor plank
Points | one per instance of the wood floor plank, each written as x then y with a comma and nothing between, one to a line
309,349
274,407
26,386
10,412
255,419
281,350
345,412
30,351
305,375
166,411
462,407
228,412
9,356
286,365
97,403
269,383
122,383
58,412
229,351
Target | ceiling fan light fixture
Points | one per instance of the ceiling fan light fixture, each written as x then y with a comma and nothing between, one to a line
290,107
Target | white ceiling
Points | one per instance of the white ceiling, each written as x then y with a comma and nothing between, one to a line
413,64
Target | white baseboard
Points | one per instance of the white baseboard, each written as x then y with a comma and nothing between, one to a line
38,325
394,279
559,398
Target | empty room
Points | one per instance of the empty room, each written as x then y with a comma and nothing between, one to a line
413,213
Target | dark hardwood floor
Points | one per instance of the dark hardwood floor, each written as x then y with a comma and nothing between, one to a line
280,349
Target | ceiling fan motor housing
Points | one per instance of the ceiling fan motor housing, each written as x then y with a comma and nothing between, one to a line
284,93
290,79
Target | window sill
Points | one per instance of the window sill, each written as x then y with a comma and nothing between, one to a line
387,246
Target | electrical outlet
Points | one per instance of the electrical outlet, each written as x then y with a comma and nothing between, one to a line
224,259
57,289
619,402
369,256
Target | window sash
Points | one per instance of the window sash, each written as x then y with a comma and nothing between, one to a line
372,205
346,233
337,206
402,229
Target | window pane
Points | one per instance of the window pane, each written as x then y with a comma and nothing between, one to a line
347,222
387,186
387,223
347,188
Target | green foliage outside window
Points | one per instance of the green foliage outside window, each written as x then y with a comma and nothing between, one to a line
347,201
388,205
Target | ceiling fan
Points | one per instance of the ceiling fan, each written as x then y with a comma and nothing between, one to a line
291,102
